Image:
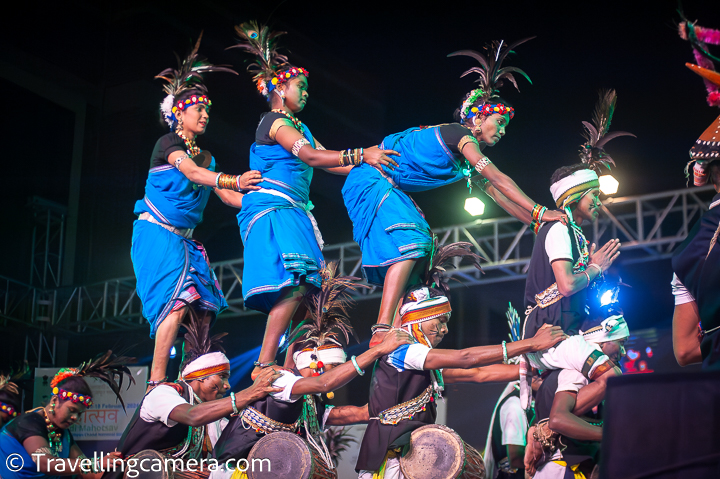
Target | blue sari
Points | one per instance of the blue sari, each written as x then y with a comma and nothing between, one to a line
282,245
17,463
169,266
387,224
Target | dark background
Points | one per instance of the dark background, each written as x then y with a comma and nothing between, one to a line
375,69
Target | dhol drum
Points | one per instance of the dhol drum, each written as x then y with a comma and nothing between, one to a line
438,452
284,455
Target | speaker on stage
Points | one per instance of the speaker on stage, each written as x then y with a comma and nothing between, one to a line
662,426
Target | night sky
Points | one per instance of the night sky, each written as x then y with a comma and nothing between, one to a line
374,70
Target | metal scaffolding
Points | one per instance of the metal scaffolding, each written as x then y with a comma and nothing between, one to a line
649,227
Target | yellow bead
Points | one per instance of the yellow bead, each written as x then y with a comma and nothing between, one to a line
330,395
313,365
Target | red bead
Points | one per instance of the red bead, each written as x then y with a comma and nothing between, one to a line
320,364
315,373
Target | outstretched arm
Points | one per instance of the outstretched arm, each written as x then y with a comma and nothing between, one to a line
484,374
512,208
563,421
205,177
340,375
230,197
545,338
347,415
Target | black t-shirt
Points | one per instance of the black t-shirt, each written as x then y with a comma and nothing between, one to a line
166,145
262,134
29,425
452,133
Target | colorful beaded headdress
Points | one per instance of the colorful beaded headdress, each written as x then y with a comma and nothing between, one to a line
319,334
188,76
420,303
9,389
491,78
204,355
707,147
271,68
109,368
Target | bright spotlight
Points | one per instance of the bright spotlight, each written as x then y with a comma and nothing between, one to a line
173,352
607,298
608,185
474,206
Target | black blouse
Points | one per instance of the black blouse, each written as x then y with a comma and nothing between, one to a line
29,425
166,145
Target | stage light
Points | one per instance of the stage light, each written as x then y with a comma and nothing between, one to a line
607,297
474,206
173,352
608,185
282,340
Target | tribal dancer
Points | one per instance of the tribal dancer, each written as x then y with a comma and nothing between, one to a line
39,445
564,405
696,283
169,265
562,267
282,243
505,446
183,420
407,382
390,229
320,366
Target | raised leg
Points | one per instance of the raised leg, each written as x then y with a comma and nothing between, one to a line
164,338
396,281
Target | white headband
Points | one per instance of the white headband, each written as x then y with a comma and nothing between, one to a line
611,329
423,308
566,190
206,365
332,355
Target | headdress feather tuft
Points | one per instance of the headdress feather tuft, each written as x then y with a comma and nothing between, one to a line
514,323
109,368
198,340
597,135
441,259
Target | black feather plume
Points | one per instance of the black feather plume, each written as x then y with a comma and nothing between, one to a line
441,259
109,368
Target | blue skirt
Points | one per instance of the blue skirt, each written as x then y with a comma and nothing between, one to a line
16,463
168,267
387,224
280,249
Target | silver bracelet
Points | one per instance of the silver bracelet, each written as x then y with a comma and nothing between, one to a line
234,406
482,163
588,277
504,347
217,180
179,160
362,157
297,145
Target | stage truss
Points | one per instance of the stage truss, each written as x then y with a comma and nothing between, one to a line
649,227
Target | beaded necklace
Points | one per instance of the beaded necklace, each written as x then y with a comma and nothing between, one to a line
54,436
582,246
192,148
295,121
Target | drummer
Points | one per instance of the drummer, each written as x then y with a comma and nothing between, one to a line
183,420
407,382
318,365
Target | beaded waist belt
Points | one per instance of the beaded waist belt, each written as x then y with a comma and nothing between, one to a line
184,232
261,423
406,410
549,296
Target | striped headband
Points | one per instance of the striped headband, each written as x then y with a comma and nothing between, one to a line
205,366
422,307
570,189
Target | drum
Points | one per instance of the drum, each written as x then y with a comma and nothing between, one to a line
286,455
147,464
437,452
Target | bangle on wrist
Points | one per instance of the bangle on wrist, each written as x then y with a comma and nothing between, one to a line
155,383
505,355
357,367
234,406
265,365
380,327
594,265
217,179
588,277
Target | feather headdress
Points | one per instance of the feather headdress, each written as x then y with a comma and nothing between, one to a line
440,260
592,152
699,37
187,76
269,66
327,310
198,341
491,74
514,323
109,368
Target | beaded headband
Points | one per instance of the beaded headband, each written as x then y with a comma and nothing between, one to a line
422,307
265,87
193,100
468,110
74,397
8,409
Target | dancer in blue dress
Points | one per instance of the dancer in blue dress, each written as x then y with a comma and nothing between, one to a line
282,243
171,268
390,229
38,444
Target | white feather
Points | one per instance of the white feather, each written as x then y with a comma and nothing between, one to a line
166,109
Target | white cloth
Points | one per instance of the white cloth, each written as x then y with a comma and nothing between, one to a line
327,356
573,180
491,468
409,357
513,423
557,243
551,470
682,295
392,470
571,381
159,403
612,328
286,381
209,360
570,353
421,300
